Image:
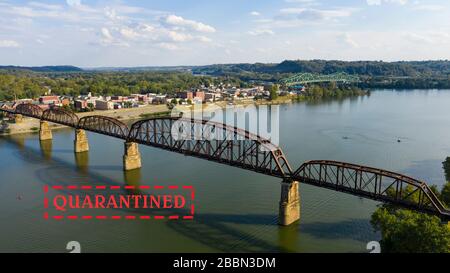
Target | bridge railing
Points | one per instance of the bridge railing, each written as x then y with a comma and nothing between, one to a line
104,125
212,141
236,147
60,116
371,183
304,78
30,110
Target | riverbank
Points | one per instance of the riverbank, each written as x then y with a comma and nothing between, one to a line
31,125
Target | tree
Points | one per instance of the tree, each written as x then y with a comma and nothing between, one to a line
405,231
446,167
274,92
445,194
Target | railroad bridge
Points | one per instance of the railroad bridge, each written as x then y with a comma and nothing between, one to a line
239,148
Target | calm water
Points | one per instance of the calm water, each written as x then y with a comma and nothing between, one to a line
236,210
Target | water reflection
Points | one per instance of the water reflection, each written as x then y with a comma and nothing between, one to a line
82,162
133,178
46,149
288,237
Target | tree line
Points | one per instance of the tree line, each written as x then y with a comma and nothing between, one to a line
406,231
26,84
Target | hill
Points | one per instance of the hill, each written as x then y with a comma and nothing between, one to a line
57,68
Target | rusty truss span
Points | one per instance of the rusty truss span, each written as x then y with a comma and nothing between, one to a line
239,148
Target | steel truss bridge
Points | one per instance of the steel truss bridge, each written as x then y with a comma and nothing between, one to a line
239,148
305,78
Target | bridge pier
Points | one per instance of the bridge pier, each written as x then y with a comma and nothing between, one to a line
132,157
81,142
289,210
18,118
45,133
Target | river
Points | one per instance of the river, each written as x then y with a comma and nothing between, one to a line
236,210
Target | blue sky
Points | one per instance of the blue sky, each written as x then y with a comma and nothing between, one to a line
196,32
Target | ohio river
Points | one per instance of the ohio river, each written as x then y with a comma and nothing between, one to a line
236,210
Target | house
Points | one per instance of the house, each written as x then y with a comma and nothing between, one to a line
80,104
187,95
49,100
104,105
211,97
65,101
199,95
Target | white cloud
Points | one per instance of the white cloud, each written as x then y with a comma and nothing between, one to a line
259,32
9,44
179,37
204,39
73,3
175,20
255,13
299,1
298,16
316,14
106,34
129,33
379,2
347,40
45,6
168,46
421,7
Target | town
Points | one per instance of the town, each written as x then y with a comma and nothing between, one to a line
90,102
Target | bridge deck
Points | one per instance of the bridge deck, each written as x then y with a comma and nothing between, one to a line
239,148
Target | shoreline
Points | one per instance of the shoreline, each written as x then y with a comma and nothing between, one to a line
31,125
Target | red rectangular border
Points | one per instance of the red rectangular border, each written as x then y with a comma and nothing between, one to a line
118,217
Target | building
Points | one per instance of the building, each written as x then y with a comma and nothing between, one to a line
80,104
211,97
49,100
65,102
160,99
187,95
104,105
199,95
116,98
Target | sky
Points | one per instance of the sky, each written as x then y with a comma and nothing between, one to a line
99,33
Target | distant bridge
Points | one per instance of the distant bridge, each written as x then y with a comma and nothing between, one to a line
239,148
306,78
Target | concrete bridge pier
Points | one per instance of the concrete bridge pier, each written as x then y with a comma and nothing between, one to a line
81,142
45,133
132,157
289,211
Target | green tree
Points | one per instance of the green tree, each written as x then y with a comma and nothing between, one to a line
274,92
446,167
445,194
405,231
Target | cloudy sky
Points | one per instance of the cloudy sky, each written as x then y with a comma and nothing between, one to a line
195,32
